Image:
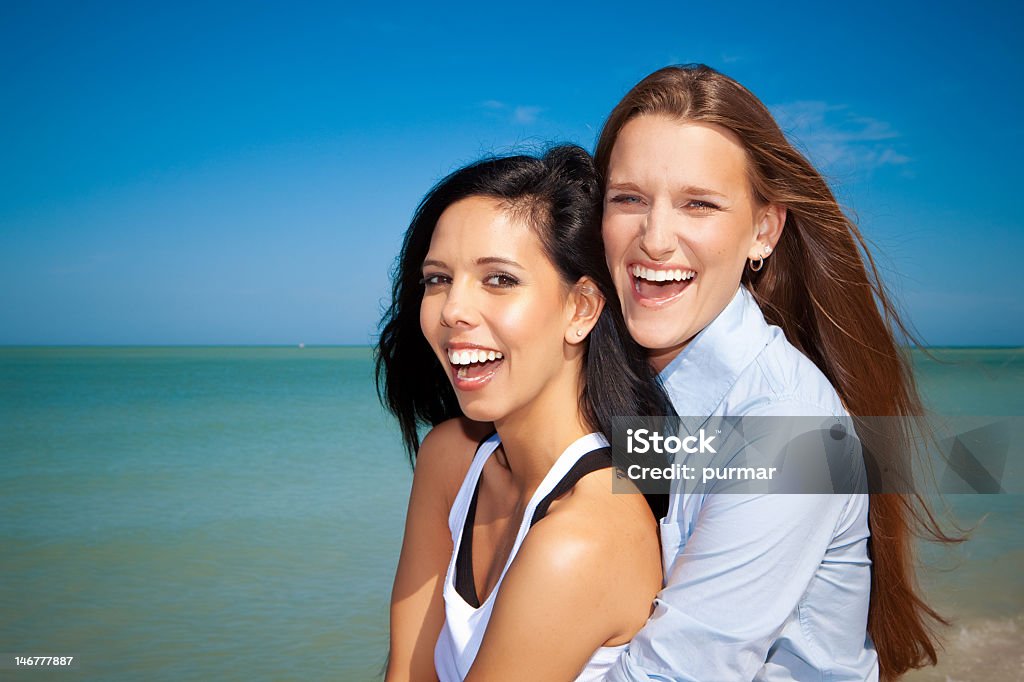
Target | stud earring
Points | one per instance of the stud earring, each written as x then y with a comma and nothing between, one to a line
579,332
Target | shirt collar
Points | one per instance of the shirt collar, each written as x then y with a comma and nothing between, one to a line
704,372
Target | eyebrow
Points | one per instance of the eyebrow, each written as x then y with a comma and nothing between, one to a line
623,185
497,260
687,189
487,260
702,192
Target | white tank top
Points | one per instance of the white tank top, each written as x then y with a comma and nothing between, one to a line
464,625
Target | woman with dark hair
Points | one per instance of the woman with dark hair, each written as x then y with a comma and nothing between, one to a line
503,313
755,295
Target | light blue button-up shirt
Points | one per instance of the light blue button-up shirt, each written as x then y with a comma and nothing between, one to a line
758,587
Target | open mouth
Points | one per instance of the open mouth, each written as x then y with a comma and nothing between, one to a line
474,365
660,285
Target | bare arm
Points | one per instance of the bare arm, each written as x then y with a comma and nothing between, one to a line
417,607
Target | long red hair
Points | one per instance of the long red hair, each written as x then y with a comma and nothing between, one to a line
821,286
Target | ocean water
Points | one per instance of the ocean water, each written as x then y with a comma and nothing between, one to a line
218,513
979,584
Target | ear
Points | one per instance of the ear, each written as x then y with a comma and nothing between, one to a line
585,306
771,219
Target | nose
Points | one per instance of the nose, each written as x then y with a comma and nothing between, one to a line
657,239
459,309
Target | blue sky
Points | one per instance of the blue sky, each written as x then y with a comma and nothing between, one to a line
243,172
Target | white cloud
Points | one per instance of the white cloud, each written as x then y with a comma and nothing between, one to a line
526,115
519,114
839,140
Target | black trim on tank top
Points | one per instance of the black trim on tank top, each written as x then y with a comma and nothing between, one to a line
465,557
465,583
588,463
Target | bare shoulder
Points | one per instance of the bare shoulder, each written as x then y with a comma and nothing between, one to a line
585,577
590,539
447,451
592,515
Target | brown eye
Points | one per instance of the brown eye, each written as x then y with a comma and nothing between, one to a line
434,280
501,280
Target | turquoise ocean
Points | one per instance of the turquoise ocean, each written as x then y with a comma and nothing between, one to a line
236,513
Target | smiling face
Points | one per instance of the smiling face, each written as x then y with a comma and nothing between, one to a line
679,224
495,310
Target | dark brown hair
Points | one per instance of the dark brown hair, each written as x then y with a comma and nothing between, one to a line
821,286
559,196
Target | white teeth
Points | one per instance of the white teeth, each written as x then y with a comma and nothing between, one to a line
468,357
676,275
